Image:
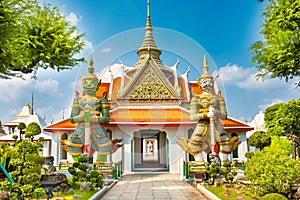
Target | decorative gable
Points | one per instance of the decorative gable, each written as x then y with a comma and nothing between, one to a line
149,84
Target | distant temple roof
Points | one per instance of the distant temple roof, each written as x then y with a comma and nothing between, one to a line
21,117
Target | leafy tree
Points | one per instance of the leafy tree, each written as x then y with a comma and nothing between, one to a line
33,36
272,170
278,54
21,126
32,130
283,119
259,140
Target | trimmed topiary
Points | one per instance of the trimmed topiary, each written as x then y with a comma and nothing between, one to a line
273,196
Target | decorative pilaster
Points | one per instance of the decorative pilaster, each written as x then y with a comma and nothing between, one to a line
186,82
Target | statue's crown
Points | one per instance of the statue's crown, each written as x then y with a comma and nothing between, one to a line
206,74
91,70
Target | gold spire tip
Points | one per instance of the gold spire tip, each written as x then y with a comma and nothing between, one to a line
91,62
91,67
204,60
148,8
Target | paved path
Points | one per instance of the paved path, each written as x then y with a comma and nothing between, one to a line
152,186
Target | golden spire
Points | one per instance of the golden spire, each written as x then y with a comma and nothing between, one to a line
148,4
205,69
91,67
148,40
91,70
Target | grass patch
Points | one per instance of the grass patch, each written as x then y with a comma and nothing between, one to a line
232,191
70,196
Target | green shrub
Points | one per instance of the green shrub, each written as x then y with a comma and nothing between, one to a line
81,174
95,174
82,167
82,159
27,190
226,164
76,185
273,196
272,170
93,180
72,171
76,164
83,179
249,154
100,176
88,176
75,178
38,193
33,178
6,186
100,183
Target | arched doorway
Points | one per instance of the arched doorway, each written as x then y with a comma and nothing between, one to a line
149,151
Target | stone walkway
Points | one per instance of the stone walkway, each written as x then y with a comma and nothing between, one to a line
152,186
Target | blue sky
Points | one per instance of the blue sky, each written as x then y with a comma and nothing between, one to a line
184,29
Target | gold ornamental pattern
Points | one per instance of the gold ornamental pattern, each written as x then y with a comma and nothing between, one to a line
150,87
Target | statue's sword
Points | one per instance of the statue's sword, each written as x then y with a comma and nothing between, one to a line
212,134
87,132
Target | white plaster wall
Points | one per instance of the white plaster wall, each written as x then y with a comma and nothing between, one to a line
54,150
116,134
46,148
243,148
126,150
176,154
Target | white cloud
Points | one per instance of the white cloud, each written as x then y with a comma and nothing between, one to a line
62,114
245,78
76,85
105,74
43,111
73,18
86,50
49,86
106,50
231,74
268,103
88,45
13,88
10,115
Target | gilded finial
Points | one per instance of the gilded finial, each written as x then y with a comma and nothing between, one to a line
91,67
205,67
91,70
91,62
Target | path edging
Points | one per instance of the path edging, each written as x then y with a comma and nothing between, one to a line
101,192
207,193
